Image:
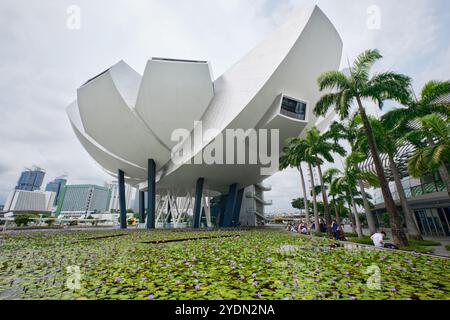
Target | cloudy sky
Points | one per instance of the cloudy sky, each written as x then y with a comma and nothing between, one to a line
43,61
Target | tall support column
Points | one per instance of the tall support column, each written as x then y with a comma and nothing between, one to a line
122,201
198,202
237,207
141,207
231,204
223,206
151,202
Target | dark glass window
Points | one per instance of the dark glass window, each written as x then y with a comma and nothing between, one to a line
293,108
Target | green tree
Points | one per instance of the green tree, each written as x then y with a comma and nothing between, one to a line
432,140
320,147
389,140
359,86
350,131
328,178
293,156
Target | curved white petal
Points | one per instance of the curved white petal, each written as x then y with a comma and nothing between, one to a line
173,95
110,121
108,161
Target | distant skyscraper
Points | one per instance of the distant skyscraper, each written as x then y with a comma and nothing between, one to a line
56,186
83,199
31,179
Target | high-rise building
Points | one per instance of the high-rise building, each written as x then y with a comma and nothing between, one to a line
21,201
31,179
79,200
56,186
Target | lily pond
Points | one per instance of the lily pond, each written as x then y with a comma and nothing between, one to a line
208,265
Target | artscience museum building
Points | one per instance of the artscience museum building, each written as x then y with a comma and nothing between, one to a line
198,147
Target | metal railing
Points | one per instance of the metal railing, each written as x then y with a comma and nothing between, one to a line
416,191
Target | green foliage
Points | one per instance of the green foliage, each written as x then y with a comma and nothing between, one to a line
429,157
272,263
359,85
424,243
447,247
365,240
23,219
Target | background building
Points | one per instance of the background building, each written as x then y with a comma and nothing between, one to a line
253,206
114,203
31,179
78,200
56,186
21,201
427,198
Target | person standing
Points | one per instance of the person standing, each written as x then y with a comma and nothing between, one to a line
335,229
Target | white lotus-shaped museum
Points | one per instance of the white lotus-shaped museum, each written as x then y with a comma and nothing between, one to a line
123,119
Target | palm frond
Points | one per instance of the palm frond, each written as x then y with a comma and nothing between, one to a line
433,90
333,80
363,63
325,103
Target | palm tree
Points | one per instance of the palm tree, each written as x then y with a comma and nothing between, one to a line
319,146
350,131
426,104
328,178
341,184
314,196
435,154
293,156
358,86
350,179
388,138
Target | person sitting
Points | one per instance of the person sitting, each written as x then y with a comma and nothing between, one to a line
294,228
378,239
304,230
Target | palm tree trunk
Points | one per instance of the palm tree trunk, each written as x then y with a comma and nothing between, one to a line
305,197
337,211
413,230
355,212
368,211
443,172
351,216
313,190
398,233
326,207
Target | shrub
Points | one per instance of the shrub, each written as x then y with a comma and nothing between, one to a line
22,219
424,243
447,247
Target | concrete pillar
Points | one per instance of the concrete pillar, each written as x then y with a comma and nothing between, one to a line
222,208
237,207
122,201
230,206
198,202
151,202
141,207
